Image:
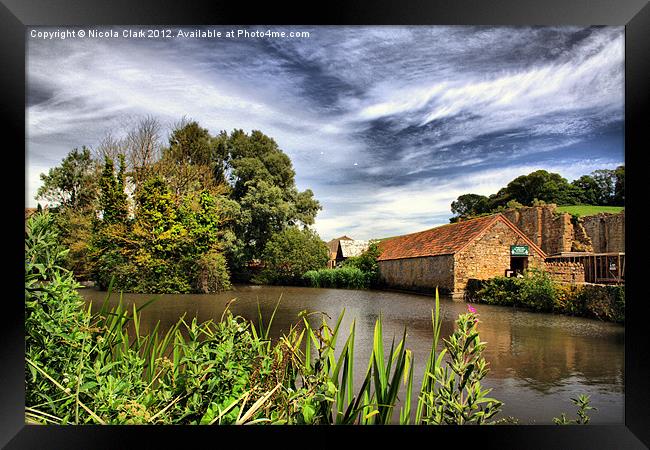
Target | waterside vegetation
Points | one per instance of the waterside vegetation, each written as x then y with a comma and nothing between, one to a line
84,367
538,292
100,368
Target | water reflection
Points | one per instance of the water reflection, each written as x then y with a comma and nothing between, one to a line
537,361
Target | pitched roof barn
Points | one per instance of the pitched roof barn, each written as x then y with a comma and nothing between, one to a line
443,240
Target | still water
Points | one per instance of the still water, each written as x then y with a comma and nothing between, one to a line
537,361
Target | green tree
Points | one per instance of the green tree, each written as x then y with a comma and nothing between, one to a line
606,181
542,185
367,263
112,198
290,253
72,184
589,190
194,160
468,205
263,183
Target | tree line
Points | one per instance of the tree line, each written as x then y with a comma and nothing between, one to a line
604,187
187,215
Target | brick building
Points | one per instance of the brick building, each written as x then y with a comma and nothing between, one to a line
449,255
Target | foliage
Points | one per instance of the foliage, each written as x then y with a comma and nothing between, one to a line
263,183
213,275
460,398
193,161
72,184
112,198
346,277
251,179
538,292
367,263
582,402
167,247
469,205
75,229
291,253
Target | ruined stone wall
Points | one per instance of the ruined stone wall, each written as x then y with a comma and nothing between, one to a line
489,256
552,232
418,274
566,272
607,231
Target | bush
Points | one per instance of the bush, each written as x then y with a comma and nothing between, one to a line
212,273
537,291
291,253
367,263
500,291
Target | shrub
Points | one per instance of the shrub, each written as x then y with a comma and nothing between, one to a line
212,273
291,253
367,263
501,291
537,291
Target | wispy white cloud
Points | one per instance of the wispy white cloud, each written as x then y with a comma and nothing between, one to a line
387,125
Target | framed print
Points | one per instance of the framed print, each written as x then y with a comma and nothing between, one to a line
405,215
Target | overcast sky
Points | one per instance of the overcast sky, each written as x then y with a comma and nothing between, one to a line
387,125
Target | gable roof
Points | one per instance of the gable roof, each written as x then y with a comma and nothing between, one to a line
333,245
444,240
353,248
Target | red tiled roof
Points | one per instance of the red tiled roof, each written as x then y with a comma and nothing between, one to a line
442,240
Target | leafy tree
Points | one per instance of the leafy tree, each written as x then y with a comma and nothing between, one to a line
542,185
194,160
112,198
290,253
72,184
590,190
606,181
263,183
470,205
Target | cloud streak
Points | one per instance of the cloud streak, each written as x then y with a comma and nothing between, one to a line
387,125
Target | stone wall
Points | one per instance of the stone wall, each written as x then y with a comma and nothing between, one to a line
489,256
607,232
566,272
551,231
418,274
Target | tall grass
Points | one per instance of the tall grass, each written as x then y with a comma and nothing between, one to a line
346,277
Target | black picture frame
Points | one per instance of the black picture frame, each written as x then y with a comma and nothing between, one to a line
17,15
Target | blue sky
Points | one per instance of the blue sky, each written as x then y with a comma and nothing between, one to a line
387,125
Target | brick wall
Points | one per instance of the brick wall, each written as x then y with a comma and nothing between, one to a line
419,274
607,231
489,256
566,272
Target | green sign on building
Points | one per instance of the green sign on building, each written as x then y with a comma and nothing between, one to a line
519,250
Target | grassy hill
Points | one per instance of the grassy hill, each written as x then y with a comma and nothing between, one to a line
589,210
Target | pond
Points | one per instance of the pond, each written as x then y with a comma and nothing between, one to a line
537,361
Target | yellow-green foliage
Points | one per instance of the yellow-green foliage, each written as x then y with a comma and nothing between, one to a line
166,247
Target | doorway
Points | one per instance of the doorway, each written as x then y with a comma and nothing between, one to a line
518,264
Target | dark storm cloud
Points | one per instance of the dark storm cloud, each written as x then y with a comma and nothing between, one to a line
387,125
